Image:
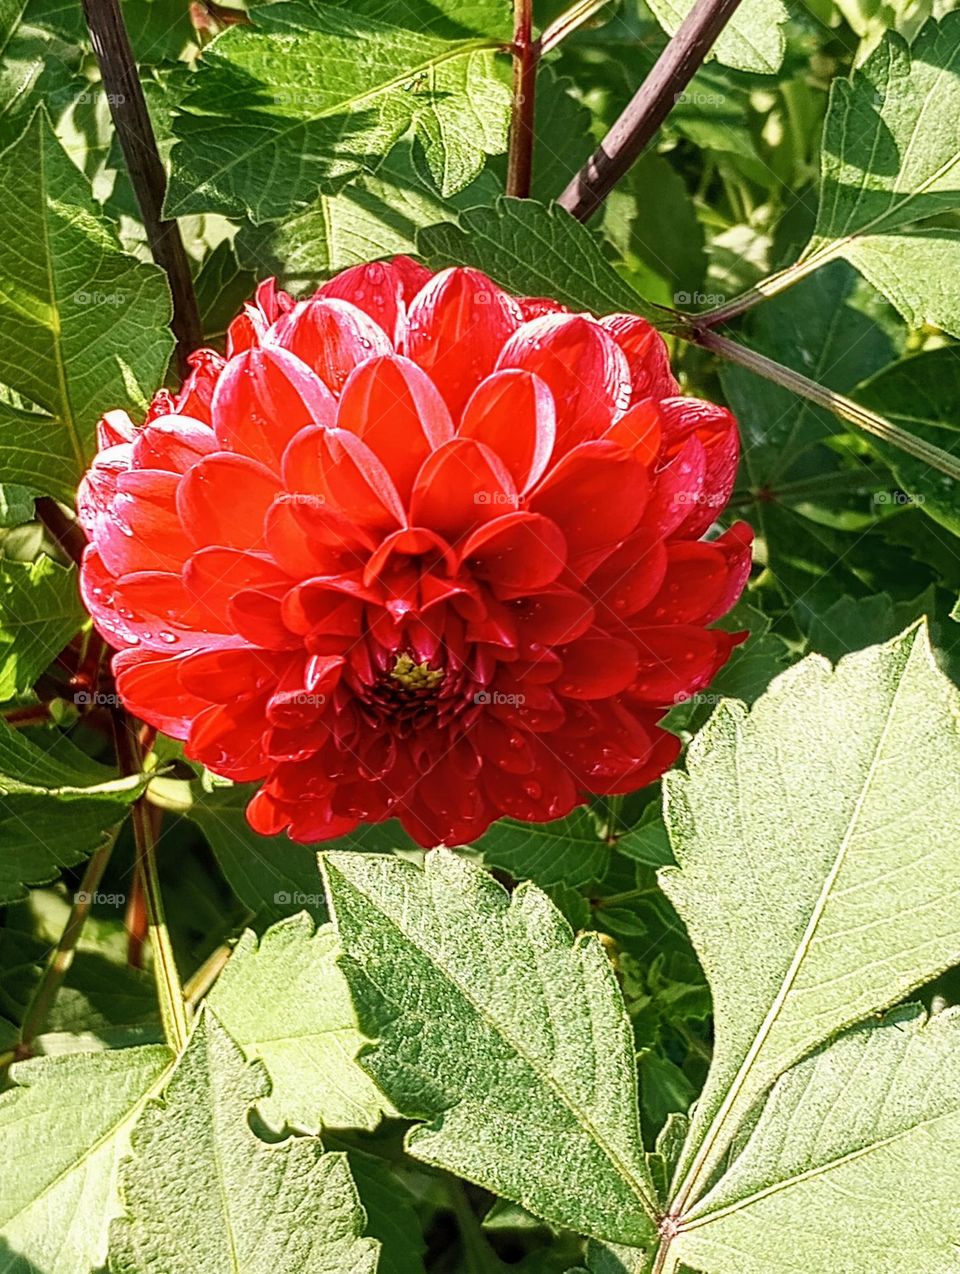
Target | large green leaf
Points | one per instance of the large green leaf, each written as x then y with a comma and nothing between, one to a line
813,871
203,1192
753,39
318,90
63,1130
39,612
852,1165
55,805
891,158
286,1002
82,325
377,215
504,1032
535,251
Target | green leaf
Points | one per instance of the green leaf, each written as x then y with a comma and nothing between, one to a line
378,215
82,325
391,1214
890,160
16,505
204,1192
63,1130
272,875
661,239
753,39
290,96
535,251
42,58
923,395
502,1030
851,1165
567,851
286,1002
831,892
39,612
222,286
55,805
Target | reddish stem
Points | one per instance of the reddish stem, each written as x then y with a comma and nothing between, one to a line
526,57
650,106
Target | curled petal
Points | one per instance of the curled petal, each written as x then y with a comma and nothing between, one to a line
332,337
456,328
512,412
264,397
584,367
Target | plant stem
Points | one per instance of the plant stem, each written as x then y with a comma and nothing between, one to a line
526,56
628,138
128,108
200,982
479,1256
61,957
568,22
843,407
173,1013
766,288
65,531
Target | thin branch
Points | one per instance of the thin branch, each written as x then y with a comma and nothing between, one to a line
130,117
568,22
173,1013
843,407
65,531
61,957
526,57
650,106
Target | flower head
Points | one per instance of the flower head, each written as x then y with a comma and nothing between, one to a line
417,548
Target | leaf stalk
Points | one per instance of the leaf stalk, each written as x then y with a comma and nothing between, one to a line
526,58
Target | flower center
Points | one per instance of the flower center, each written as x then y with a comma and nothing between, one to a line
413,676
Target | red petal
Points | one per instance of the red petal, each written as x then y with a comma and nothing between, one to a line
678,490
225,673
553,616
716,430
596,667
257,615
214,575
398,412
264,397
631,576
141,530
677,661
513,413
737,546
224,500
377,289
638,431
456,328
646,353
173,443
516,551
695,580
336,468
148,686
596,495
228,739
459,485
194,398
585,369
331,337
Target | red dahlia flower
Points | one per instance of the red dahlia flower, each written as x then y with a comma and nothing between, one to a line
416,548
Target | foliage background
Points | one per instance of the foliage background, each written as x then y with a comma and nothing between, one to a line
321,135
